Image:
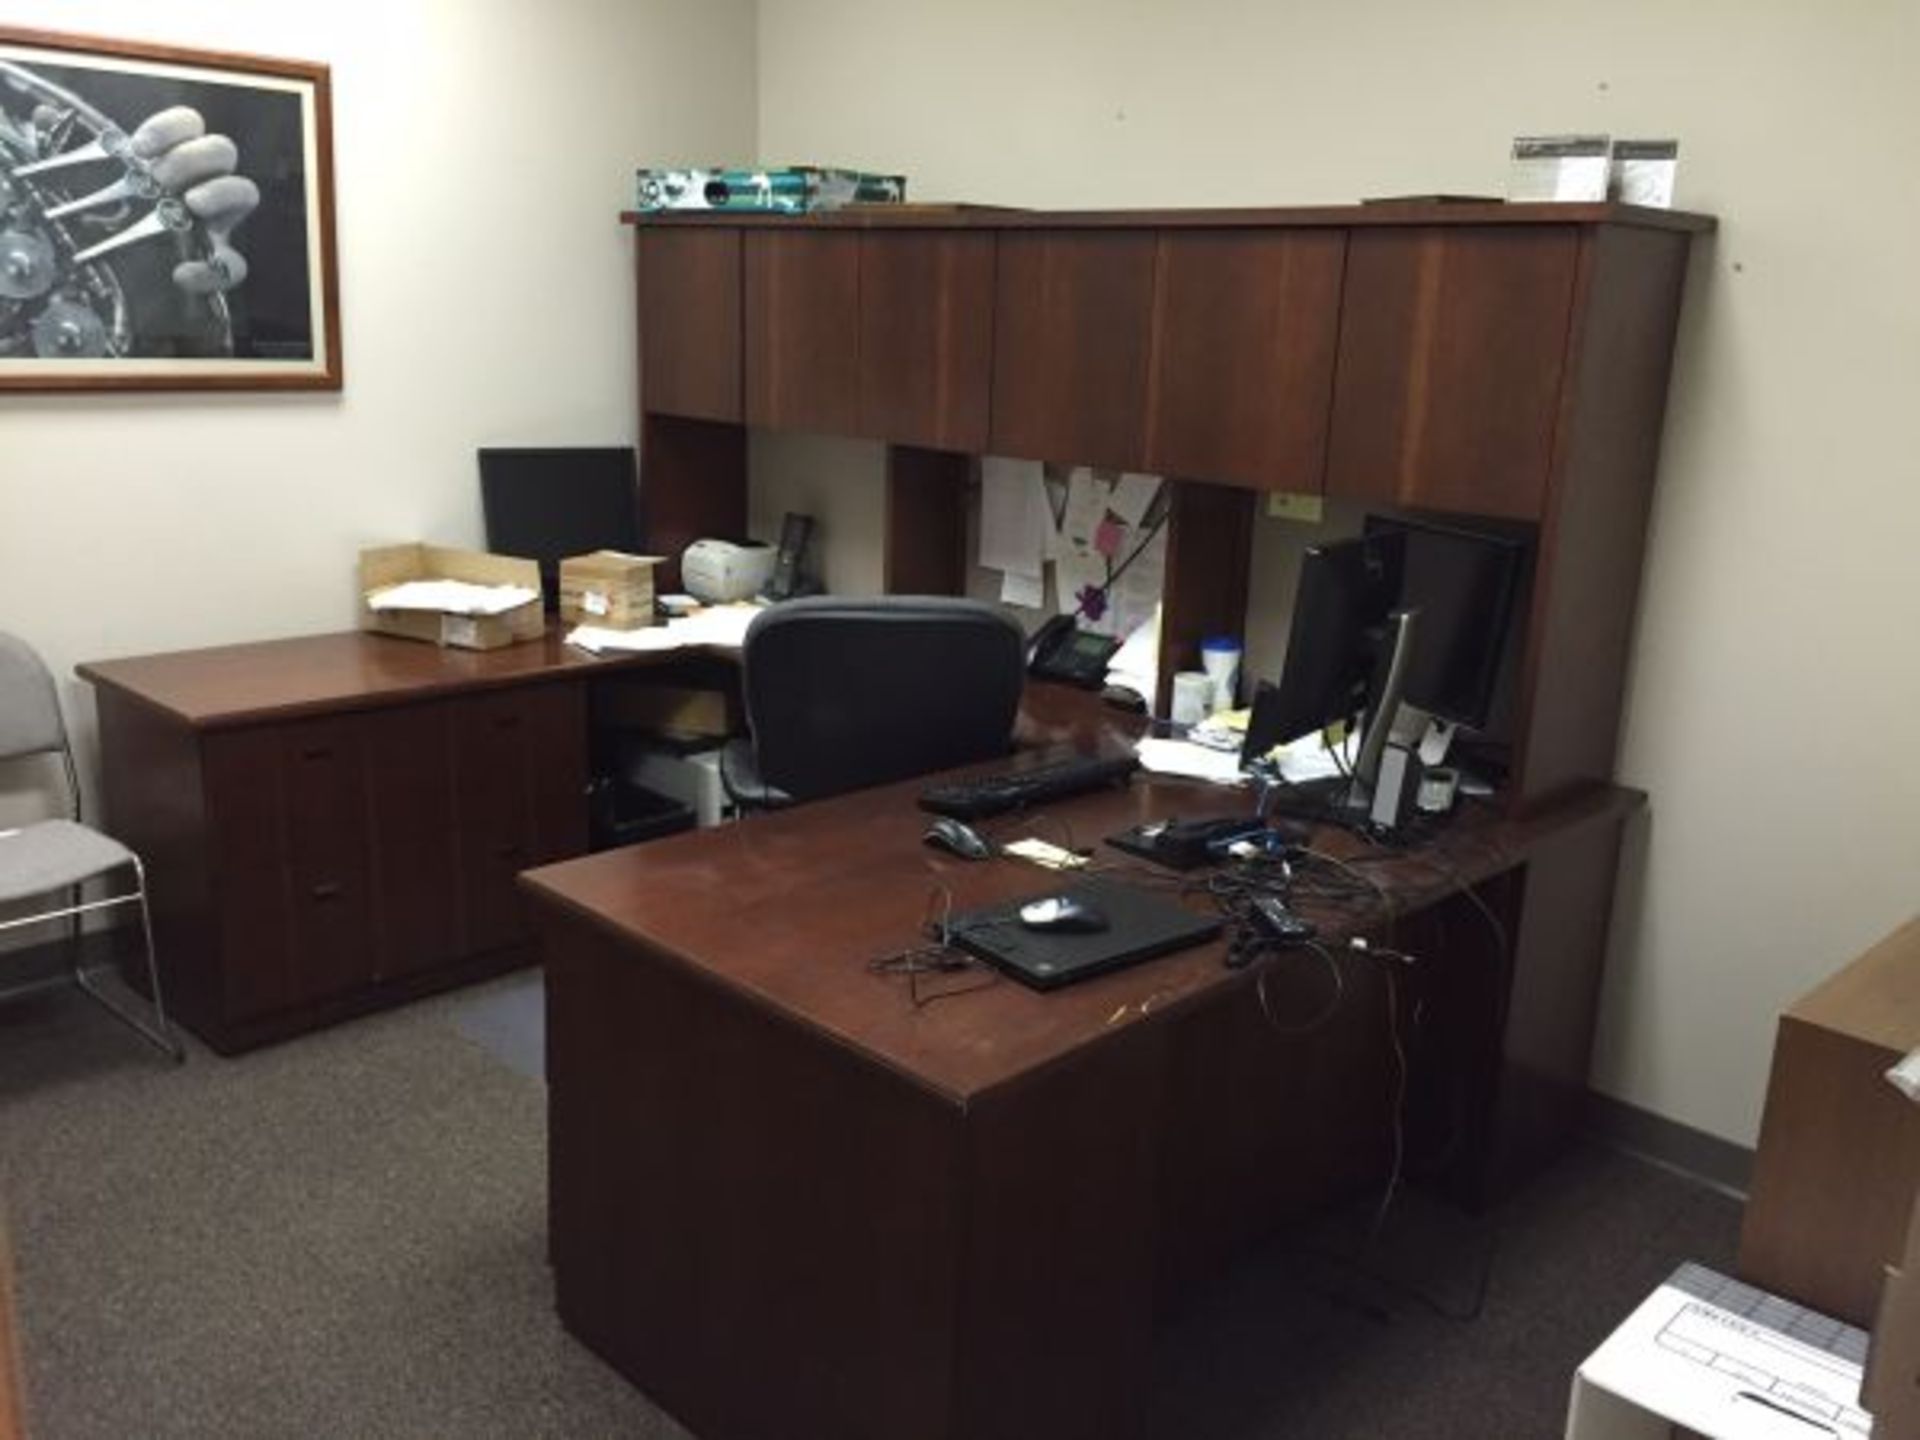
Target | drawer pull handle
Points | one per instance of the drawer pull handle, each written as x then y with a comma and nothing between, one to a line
317,752
508,852
330,890
506,722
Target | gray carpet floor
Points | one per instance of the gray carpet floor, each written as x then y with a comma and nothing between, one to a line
344,1236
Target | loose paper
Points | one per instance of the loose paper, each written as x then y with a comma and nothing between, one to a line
1018,589
1132,496
451,597
1136,664
1013,515
1050,542
1075,571
1086,507
1137,593
1050,857
721,626
1194,762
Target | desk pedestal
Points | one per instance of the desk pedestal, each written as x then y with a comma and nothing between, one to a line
787,1204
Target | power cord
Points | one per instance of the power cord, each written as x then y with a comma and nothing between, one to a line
939,957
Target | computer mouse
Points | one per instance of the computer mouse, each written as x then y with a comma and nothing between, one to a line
1063,913
958,838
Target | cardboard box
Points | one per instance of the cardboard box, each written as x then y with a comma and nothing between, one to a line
1706,1355
1810,1234
676,711
386,565
608,588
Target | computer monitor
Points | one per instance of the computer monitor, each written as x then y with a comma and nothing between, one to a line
1461,585
547,504
1341,612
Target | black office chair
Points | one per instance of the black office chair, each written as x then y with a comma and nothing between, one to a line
842,694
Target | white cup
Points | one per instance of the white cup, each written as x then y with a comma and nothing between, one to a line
1192,697
1220,657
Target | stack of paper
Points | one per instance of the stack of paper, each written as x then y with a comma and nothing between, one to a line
451,597
721,626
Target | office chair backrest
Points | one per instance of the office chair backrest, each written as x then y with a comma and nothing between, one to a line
843,694
30,721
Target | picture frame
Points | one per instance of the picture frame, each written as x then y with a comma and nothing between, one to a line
166,218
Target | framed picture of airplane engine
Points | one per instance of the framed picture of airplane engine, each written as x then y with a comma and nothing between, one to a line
166,219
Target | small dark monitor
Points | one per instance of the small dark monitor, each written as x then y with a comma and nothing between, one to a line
1346,593
1461,586
548,504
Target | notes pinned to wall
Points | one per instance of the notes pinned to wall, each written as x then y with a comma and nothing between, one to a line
1027,590
1132,496
1108,556
1014,516
1086,508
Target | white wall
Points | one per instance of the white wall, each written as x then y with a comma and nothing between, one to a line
1776,670
483,150
842,483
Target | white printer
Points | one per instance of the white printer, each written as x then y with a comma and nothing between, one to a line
717,572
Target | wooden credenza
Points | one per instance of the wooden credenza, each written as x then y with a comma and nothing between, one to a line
333,823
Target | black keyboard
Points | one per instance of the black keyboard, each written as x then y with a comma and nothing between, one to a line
981,795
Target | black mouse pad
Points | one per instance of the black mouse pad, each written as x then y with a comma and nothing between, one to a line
1140,925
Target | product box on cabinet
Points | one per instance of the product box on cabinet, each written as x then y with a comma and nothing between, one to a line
608,588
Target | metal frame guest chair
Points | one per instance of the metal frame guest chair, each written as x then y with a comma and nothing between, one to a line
842,694
58,857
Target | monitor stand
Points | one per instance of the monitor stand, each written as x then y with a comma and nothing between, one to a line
1338,796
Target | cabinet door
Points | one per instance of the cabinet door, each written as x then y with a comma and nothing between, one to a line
247,835
1070,338
520,801
688,286
1245,325
331,910
926,337
289,823
803,330
415,879
1452,349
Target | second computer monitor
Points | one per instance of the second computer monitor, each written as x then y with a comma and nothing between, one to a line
1461,586
1347,592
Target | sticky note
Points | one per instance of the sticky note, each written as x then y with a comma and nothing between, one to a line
1297,506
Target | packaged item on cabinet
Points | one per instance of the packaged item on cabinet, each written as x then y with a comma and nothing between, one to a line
608,588
795,190
1558,167
1643,172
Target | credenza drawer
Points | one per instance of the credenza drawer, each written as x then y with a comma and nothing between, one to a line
355,849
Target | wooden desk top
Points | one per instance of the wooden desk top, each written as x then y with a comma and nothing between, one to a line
232,685
1369,214
790,907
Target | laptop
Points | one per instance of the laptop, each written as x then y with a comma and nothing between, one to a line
1141,925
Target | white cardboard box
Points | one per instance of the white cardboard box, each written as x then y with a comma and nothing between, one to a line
1709,1355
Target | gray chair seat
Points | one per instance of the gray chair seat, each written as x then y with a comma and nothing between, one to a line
53,854
53,859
